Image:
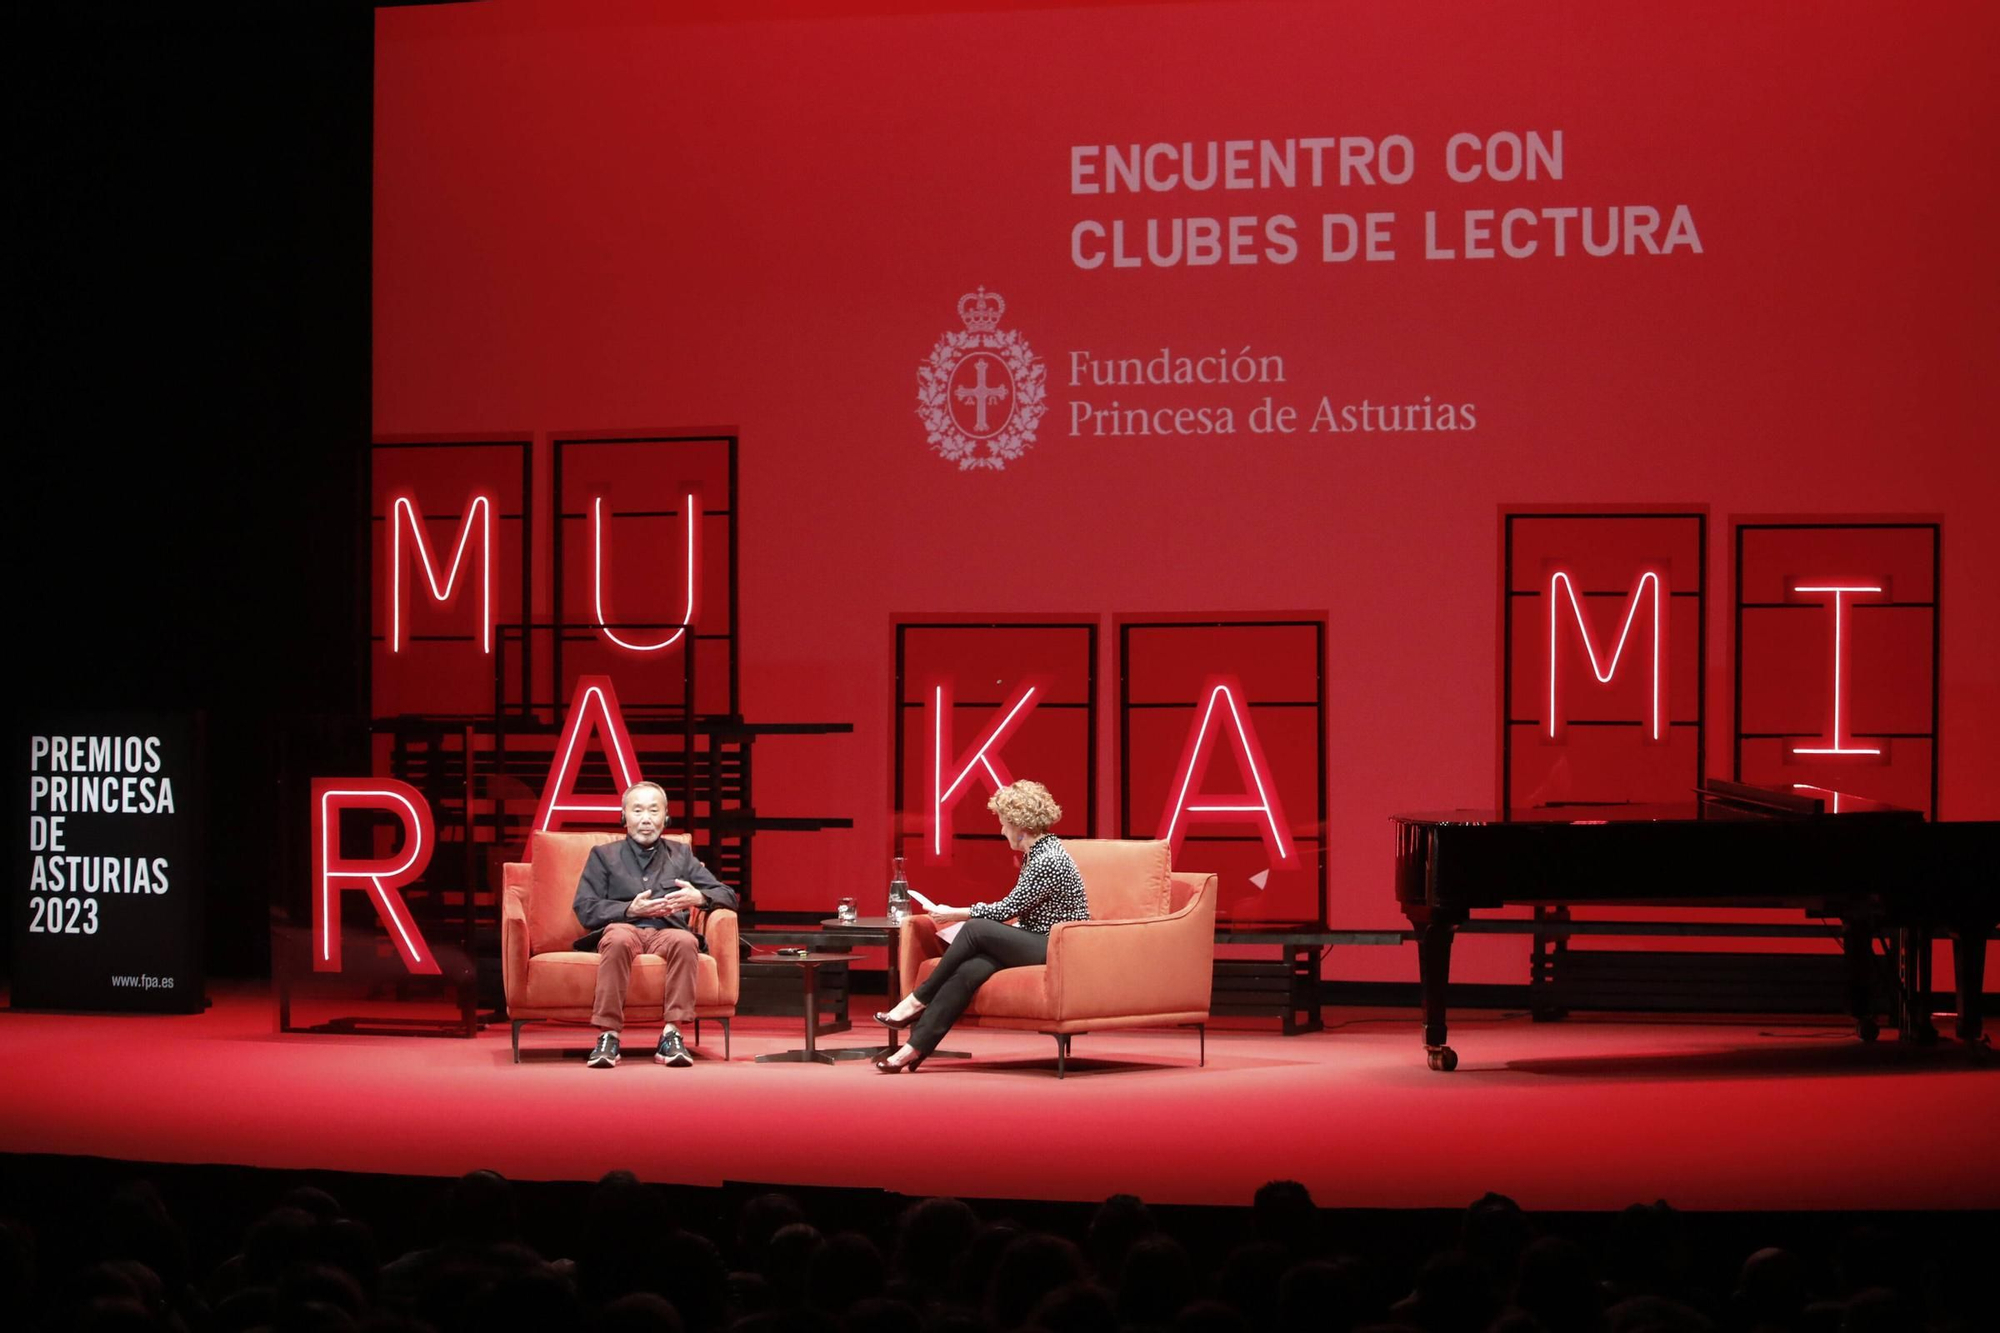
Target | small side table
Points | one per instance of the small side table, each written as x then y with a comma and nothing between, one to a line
879,930
887,933
809,964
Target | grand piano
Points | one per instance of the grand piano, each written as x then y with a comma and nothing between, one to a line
1886,873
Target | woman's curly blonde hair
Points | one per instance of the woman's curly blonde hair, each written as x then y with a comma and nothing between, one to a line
1027,806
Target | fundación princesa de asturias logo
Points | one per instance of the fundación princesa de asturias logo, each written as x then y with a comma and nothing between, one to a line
981,393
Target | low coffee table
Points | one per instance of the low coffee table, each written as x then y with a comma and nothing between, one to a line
809,965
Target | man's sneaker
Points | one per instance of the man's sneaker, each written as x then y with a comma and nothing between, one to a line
605,1053
672,1051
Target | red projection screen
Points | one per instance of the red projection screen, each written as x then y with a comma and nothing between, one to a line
1155,311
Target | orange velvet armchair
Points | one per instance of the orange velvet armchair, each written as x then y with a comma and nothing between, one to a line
546,978
1146,957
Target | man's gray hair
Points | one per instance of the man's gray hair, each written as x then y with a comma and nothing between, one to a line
626,795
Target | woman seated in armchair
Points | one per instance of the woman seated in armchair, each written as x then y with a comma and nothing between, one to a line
1049,890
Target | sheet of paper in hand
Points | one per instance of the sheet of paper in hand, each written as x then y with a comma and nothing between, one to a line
949,932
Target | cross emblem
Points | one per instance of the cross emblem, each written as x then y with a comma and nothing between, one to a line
979,394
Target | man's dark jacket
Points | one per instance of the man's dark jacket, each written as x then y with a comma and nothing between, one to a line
612,879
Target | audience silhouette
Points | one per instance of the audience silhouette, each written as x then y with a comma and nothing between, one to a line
308,1266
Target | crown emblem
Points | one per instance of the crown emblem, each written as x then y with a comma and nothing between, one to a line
981,393
981,310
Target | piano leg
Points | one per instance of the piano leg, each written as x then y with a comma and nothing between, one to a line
1544,961
1434,974
1913,986
1857,942
1968,965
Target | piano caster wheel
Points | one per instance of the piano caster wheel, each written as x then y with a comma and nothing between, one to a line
1442,1058
1867,1029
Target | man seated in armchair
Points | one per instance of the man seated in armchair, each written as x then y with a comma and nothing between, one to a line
637,895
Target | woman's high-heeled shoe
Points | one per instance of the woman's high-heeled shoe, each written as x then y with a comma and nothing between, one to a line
882,1065
882,1017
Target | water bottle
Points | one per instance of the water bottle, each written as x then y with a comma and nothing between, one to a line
899,894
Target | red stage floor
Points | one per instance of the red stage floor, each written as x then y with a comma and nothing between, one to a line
1586,1114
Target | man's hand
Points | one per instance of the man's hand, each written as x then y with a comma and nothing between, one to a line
647,905
685,897
950,916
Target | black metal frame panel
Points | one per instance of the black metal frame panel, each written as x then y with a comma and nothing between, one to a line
564,630
899,708
1509,723
526,518
1935,606
1318,705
